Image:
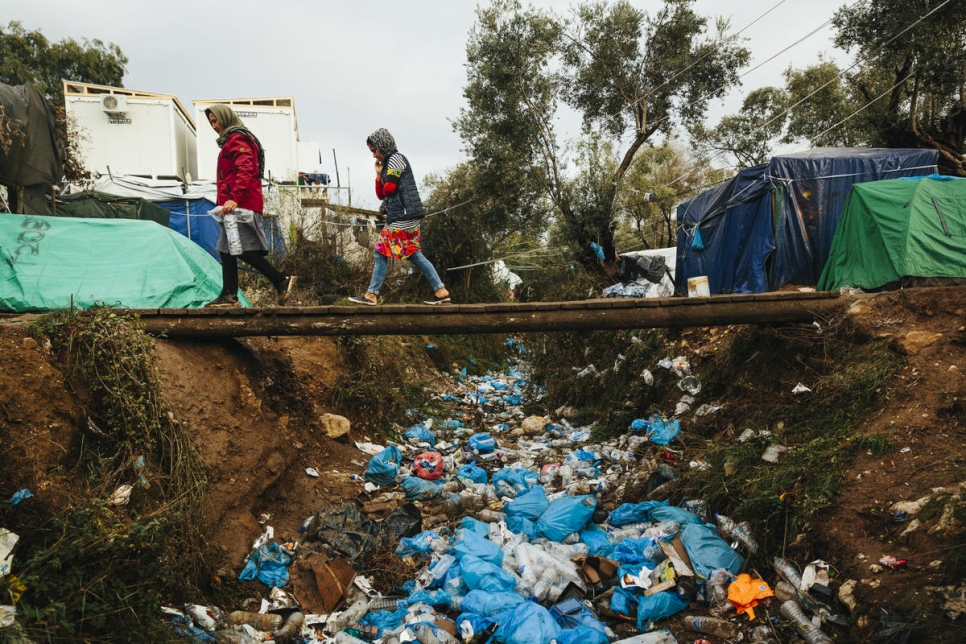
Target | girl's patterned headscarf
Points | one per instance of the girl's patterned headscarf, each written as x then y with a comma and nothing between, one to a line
382,140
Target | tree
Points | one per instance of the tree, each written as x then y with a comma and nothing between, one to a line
28,57
660,178
922,71
747,136
907,87
631,73
626,73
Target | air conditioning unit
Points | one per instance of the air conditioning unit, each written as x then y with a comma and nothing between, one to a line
114,103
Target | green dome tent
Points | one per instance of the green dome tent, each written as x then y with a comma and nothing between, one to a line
897,229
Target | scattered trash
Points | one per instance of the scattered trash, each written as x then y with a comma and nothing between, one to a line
800,389
120,496
8,540
20,495
311,471
511,536
773,453
891,562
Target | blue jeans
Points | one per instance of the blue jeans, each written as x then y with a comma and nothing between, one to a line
382,265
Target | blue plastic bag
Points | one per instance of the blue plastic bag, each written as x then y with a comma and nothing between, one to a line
431,597
708,551
662,431
477,623
519,479
384,619
658,606
582,635
676,514
527,623
482,443
624,601
483,575
518,525
572,613
421,433
632,551
529,505
468,542
488,604
596,540
417,544
420,489
384,466
566,515
269,564
472,472
638,424
628,513
475,525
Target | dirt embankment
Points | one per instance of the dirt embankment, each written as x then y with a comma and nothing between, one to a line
253,407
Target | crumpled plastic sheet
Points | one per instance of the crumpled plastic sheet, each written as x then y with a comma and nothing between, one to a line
355,537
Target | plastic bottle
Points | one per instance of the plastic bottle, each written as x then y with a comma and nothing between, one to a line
787,571
350,615
429,635
732,530
489,516
232,234
762,635
139,467
784,591
548,578
343,637
717,592
711,625
387,603
291,628
810,632
258,621
362,631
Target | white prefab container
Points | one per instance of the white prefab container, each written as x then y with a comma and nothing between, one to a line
131,132
273,121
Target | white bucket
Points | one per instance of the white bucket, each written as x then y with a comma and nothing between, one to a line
698,286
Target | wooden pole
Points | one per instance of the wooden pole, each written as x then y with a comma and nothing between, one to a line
411,319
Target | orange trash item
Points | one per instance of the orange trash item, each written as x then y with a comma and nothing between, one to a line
745,593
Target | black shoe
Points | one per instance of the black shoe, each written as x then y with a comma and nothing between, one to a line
362,299
223,302
285,289
437,300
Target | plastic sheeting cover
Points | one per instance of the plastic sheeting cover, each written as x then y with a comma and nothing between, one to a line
773,224
54,263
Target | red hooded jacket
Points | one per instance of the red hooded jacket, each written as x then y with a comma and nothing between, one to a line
238,178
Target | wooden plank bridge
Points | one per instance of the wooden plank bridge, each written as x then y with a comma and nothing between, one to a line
457,319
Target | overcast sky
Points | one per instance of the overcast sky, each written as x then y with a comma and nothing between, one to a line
353,67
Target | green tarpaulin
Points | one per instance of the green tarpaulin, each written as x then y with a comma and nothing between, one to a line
101,205
55,262
896,229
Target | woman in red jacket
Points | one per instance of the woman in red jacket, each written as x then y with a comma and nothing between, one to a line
240,187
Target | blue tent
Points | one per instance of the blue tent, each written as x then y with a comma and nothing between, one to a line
773,224
189,216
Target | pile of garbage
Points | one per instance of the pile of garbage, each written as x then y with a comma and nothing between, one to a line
506,530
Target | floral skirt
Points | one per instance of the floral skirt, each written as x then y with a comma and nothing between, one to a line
398,244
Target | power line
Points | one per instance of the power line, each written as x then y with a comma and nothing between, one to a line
829,82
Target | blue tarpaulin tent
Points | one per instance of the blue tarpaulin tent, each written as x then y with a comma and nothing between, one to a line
190,218
773,224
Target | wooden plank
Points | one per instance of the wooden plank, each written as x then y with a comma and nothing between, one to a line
421,319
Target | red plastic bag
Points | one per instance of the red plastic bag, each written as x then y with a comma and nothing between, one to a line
429,466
